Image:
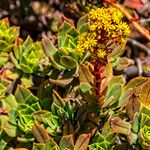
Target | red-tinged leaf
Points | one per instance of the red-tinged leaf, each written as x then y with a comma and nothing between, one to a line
134,4
85,74
145,95
82,142
136,84
120,126
67,141
40,133
62,82
68,128
106,76
133,106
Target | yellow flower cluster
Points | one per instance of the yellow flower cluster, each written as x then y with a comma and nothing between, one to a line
106,28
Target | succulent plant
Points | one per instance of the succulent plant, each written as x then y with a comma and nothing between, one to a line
79,103
144,137
29,57
7,39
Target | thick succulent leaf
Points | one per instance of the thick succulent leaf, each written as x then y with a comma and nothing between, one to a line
69,43
57,99
23,95
67,142
13,74
82,142
26,46
103,142
136,122
106,129
9,102
145,120
84,28
117,79
121,63
52,145
40,133
2,91
26,80
145,95
73,32
120,126
136,84
53,122
3,144
4,57
18,43
14,60
96,146
133,106
85,74
84,87
117,51
25,68
114,91
48,47
62,32
106,74
68,128
80,117
62,82
39,146
125,97
68,62
82,20
9,128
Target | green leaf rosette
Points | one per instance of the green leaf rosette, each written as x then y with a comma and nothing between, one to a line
144,137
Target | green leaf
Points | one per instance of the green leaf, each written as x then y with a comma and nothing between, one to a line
82,20
48,47
115,91
9,102
96,146
2,144
26,80
84,28
125,97
117,79
62,32
67,142
118,50
4,57
136,84
68,62
136,122
9,128
62,82
52,145
84,87
145,120
23,95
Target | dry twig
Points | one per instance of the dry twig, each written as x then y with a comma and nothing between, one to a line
139,45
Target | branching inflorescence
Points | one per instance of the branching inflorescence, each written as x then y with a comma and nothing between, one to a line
106,28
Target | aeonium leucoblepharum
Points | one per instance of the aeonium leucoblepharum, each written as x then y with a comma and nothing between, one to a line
106,28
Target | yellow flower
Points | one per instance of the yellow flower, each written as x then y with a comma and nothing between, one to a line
105,25
101,53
